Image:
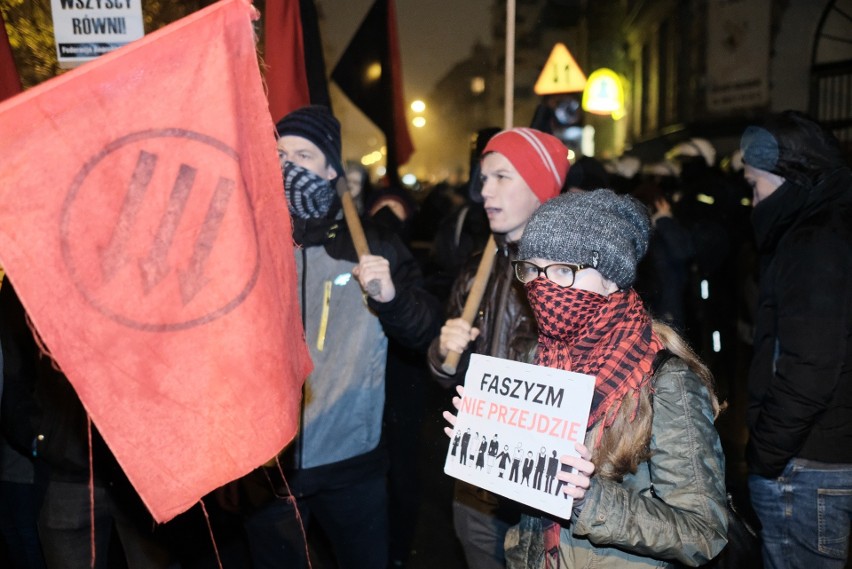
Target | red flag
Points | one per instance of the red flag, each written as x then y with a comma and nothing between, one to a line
143,224
286,76
370,73
10,83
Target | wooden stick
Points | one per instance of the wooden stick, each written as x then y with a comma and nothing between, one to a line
474,298
509,92
353,221
483,272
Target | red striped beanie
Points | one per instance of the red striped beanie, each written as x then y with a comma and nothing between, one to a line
540,158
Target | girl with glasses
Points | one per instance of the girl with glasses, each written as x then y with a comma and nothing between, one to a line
648,484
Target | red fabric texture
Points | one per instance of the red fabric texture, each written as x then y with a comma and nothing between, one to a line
401,139
10,82
143,224
284,55
540,158
609,337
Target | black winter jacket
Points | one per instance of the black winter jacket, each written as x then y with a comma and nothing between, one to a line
800,383
42,414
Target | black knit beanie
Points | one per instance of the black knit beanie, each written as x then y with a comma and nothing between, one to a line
317,124
601,229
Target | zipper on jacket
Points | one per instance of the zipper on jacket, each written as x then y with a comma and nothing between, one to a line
300,438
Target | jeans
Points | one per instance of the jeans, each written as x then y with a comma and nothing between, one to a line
805,515
354,517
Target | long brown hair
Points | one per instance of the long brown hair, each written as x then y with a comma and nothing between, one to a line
624,445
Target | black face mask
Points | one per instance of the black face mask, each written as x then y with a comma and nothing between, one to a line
386,218
309,196
772,216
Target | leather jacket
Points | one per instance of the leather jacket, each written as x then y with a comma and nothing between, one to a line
506,324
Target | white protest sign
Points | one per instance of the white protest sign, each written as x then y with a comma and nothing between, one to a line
514,423
86,29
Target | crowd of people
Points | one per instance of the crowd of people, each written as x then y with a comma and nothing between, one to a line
647,279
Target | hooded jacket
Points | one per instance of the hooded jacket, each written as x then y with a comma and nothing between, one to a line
800,382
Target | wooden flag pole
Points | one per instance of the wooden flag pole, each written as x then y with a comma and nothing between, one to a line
356,230
509,87
474,297
483,272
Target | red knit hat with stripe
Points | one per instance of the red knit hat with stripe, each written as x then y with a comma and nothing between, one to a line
540,158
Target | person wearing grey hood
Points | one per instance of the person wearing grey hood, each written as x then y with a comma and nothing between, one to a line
799,453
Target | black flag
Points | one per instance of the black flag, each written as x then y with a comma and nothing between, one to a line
370,73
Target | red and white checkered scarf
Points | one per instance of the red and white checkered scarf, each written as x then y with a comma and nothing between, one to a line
609,337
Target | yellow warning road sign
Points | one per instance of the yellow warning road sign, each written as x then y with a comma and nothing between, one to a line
560,74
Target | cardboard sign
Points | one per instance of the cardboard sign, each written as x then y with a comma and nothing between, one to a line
514,423
86,29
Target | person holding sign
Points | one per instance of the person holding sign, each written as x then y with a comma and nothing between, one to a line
521,168
652,454
648,484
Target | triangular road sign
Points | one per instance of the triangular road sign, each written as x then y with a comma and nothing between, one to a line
560,74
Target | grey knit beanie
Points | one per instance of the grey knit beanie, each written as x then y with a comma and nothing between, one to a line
602,229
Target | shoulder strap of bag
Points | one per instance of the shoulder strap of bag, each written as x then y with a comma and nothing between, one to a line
662,357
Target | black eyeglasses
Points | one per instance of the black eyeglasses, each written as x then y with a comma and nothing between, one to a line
560,273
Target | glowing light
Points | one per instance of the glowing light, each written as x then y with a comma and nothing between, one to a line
587,141
419,122
477,85
374,71
371,158
704,198
418,106
705,289
409,179
717,341
604,94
